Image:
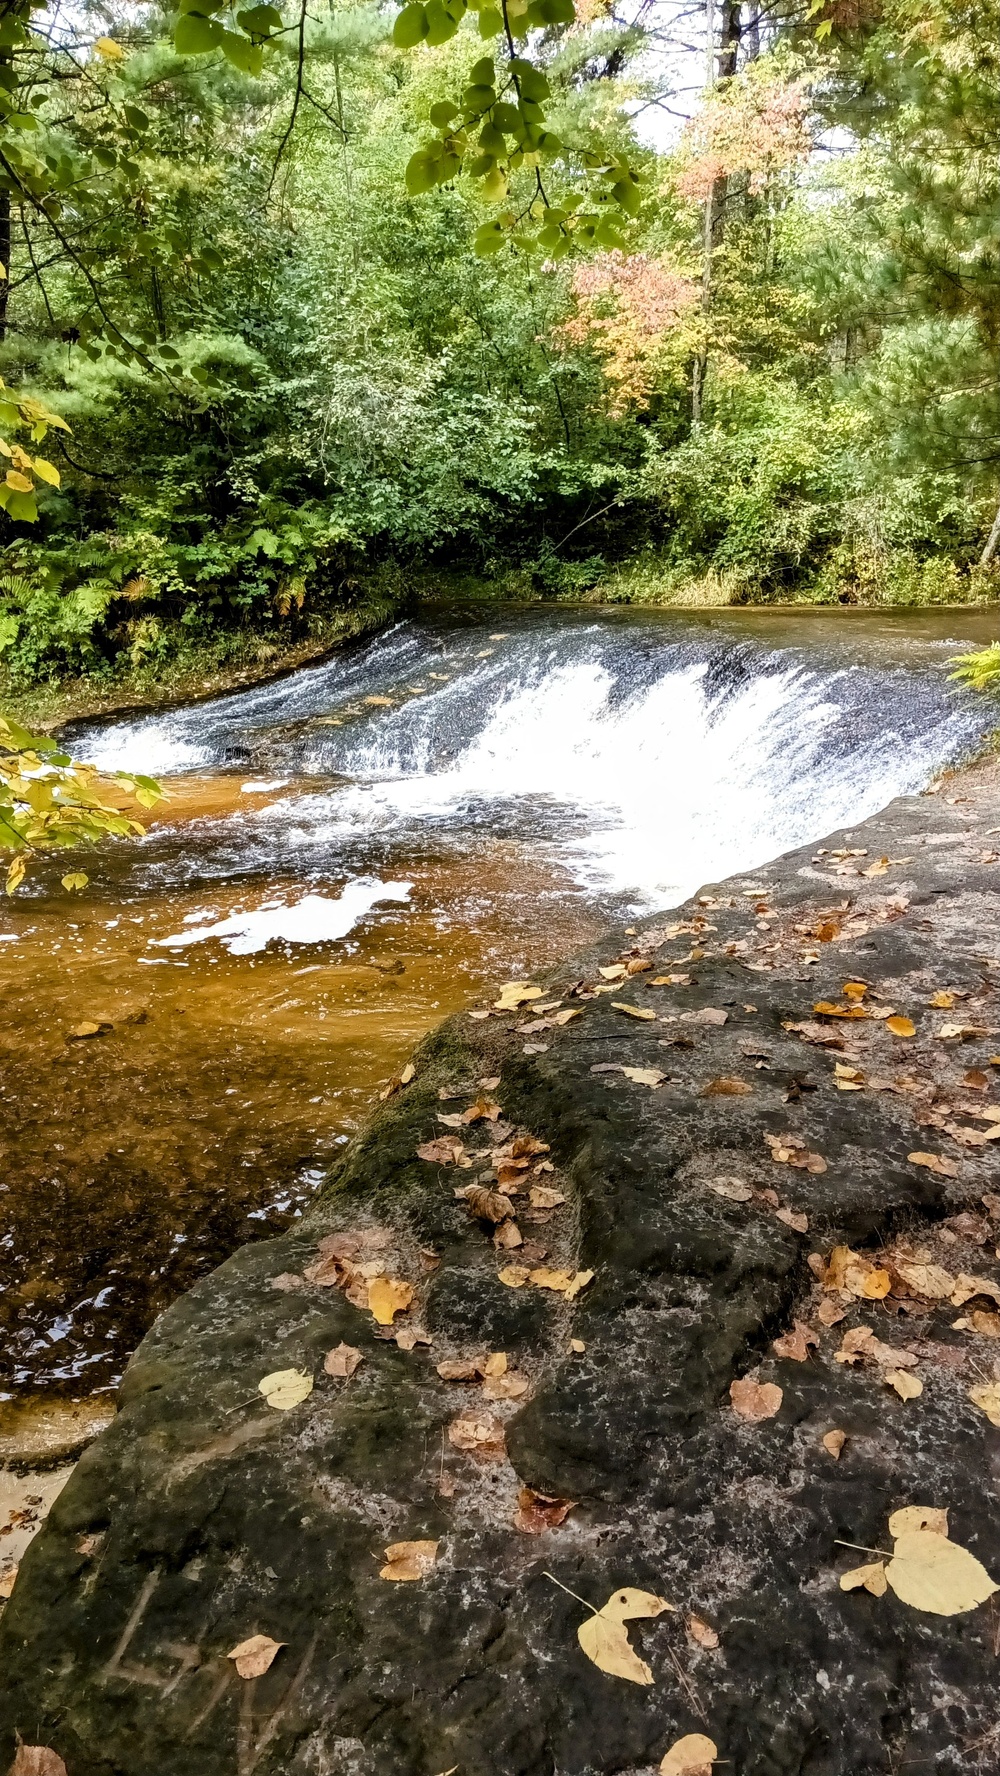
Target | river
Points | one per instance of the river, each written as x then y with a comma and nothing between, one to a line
352,852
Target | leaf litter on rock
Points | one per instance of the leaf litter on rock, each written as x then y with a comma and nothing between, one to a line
342,1361
406,1562
693,1755
755,1400
285,1388
927,1570
603,1636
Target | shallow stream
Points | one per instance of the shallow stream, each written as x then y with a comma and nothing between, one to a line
352,852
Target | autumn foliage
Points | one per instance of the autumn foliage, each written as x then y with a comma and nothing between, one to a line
754,127
628,309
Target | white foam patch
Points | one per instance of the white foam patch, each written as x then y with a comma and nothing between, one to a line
316,918
264,788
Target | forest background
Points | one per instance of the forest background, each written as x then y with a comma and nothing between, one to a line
287,366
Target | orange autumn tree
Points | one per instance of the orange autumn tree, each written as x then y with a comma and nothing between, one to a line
632,311
757,125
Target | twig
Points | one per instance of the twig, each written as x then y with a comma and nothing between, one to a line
299,91
570,1593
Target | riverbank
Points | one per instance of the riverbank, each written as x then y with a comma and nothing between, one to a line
691,1393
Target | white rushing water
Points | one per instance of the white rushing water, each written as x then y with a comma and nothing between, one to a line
644,759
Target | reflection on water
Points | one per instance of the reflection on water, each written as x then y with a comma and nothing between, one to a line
348,855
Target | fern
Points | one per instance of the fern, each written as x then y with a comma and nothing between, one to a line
979,670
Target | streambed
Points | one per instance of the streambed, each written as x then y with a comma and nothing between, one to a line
351,853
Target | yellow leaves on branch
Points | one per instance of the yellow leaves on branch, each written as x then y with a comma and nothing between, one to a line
604,1637
255,1656
927,1571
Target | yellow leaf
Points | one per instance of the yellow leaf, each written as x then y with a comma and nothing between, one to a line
77,880
47,471
854,989
650,1076
634,1011
691,1756
934,1162
387,1296
607,1645
109,50
515,1276
516,993
906,1386
930,1573
286,1388
15,874
871,1577
407,1561
988,1400
628,1604
255,1656
908,1517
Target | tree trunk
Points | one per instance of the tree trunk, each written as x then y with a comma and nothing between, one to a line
991,542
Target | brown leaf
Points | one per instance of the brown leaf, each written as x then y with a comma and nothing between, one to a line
288,1280
446,1150
929,1280
826,1009
515,1276
460,1368
483,1110
833,1443
988,1400
488,1205
507,1237
505,1387
702,1634
726,1088
408,1561
342,1361
870,1577
408,1337
37,1760
829,1313
908,1387
538,1512
255,1656
709,1014
795,1344
755,1400
541,1196
8,1579
388,1296
479,1434
797,1221
986,1324
967,1287
733,1189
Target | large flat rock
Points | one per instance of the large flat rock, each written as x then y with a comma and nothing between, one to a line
204,1516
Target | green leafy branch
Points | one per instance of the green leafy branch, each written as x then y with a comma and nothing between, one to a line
50,801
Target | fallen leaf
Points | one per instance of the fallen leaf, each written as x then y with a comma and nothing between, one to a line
286,1388
496,1363
931,1573
795,1344
870,1577
379,702
966,1287
516,993
478,1433
483,1110
946,1168
505,1387
930,1280
562,1281
407,1561
755,1400
615,972
507,1237
726,1088
537,1511
488,1205
255,1656
824,1008
901,1026
793,1219
942,1001
542,1196
408,1337
634,1011
833,1443
515,1276
709,1014
460,1369
960,1032
288,1280
7,1580
691,1756
829,1313
388,1296
446,1150
908,1387
932,1517
83,1032
650,1076
702,1634
577,1345
986,1324
733,1189
37,1760
792,1150
342,1361
671,980
604,1637
987,1398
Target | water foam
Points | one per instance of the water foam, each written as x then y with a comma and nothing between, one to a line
316,918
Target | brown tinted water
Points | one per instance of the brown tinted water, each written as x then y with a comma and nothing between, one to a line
220,1085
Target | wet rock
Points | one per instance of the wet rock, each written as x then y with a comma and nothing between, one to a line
202,1517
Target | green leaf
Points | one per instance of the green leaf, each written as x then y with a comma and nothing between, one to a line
491,141
490,21
421,172
20,506
196,35
411,27
442,113
531,81
479,98
441,26
607,235
628,196
136,118
488,239
247,56
506,117
483,72
260,20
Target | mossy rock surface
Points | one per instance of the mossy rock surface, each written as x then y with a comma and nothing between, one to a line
202,1516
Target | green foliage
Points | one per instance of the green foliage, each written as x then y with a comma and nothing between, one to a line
980,670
